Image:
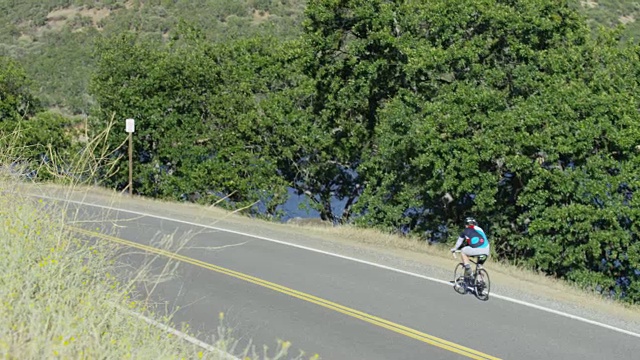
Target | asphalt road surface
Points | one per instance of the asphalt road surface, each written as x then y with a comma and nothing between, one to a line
337,307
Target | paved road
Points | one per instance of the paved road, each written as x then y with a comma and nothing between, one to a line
343,309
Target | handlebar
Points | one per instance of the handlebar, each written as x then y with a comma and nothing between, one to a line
454,254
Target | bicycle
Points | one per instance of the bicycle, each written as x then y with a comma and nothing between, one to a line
481,283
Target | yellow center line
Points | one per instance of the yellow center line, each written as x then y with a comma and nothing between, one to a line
400,329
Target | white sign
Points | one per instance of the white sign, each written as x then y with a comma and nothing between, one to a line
130,125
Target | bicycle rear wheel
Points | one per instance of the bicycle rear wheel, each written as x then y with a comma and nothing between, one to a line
483,285
458,280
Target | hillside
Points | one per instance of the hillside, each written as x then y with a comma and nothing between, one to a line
59,35
613,13
54,40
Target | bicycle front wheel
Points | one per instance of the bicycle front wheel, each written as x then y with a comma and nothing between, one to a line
482,285
458,280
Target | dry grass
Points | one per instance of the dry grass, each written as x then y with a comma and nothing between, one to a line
589,4
259,17
626,19
64,296
59,297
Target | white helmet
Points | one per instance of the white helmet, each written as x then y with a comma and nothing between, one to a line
470,221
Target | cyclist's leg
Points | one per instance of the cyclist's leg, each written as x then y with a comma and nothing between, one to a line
465,257
465,253
468,251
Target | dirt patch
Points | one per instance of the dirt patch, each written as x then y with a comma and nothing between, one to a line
58,18
627,19
260,16
589,4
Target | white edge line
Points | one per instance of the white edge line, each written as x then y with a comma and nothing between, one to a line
501,297
225,355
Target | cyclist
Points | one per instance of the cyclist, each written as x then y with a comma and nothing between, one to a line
475,244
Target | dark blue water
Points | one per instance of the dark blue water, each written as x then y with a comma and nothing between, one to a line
296,204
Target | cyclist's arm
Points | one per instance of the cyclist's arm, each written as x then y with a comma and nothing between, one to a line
458,243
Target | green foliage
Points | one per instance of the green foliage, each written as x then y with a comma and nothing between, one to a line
16,100
213,121
41,141
583,227
49,143
355,63
70,54
478,60
61,34
414,114
514,115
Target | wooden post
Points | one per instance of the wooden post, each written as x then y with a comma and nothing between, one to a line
130,128
131,164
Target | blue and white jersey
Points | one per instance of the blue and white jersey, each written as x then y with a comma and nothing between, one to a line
475,237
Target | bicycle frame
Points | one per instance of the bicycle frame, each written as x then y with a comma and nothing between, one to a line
478,268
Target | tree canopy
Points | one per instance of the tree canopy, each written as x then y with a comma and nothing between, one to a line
16,100
509,111
215,121
39,142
